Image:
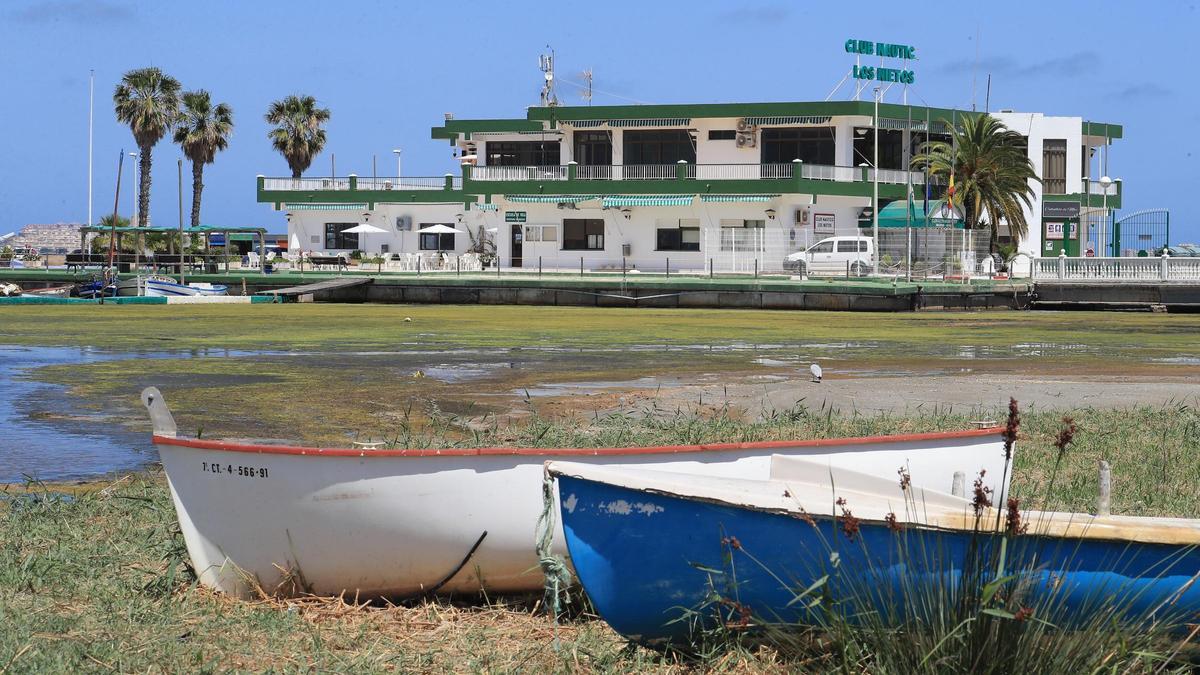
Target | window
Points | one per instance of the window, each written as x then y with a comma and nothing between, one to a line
738,235
533,233
583,234
685,236
593,148
336,238
549,233
432,241
1054,167
664,146
722,135
823,247
813,145
522,153
891,147
851,246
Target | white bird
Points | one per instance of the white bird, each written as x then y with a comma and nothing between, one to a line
408,318
816,373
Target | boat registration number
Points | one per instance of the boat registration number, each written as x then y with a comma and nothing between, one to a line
235,470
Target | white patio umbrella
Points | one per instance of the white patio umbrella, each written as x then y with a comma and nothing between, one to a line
365,228
439,229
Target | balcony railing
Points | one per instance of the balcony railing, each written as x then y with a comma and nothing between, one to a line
506,173
1162,268
306,184
404,183
840,174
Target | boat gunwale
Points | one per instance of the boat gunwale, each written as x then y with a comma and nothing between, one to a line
260,448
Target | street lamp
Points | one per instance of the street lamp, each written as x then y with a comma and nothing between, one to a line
875,200
1105,181
133,188
396,152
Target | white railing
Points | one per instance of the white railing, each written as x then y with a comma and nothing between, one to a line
898,176
653,171
504,173
1096,188
743,171
595,172
403,183
305,184
840,174
1163,268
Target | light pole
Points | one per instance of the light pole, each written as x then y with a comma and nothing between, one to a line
875,191
1105,181
133,185
397,152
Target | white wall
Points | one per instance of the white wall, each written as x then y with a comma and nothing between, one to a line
309,226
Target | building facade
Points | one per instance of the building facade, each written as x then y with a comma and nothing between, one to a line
731,187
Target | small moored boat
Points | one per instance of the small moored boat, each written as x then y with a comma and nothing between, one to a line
166,287
400,522
662,554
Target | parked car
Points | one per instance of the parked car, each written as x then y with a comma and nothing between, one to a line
834,255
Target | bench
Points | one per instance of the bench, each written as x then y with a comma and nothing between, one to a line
171,261
78,261
319,261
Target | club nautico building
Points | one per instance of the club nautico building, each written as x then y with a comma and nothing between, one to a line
691,186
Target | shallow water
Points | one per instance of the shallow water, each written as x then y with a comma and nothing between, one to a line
46,435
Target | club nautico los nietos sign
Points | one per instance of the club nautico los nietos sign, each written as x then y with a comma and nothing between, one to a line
882,50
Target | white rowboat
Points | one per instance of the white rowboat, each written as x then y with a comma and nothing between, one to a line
166,287
402,522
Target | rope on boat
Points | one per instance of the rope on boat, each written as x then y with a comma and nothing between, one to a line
554,567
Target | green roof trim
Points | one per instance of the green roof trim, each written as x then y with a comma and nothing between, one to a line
1103,129
453,128
710,110
301,206
647,200
732,199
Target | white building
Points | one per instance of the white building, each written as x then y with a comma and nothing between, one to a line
734,186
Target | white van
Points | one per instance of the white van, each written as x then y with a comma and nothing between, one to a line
835,255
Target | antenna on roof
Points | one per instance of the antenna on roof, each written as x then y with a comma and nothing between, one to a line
546,64
587,91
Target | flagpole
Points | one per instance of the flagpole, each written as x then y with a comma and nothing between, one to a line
875,198
91,109
909,196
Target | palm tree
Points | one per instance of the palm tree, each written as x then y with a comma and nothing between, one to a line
991,169
297,135
148,101
202,131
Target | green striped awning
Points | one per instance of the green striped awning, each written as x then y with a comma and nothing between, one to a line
728,199
548,199
485,207
936,127
647,200
812,119
584,124
304,206
664,122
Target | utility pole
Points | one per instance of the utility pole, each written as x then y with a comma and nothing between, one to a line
91,112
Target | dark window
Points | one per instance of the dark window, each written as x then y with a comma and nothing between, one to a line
580,234
823,247
593,148
891,147
722,135
432,241
522,153
665,146
1054,167
678,239
336,239
813,145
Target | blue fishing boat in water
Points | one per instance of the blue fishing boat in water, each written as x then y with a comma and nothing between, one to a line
662,555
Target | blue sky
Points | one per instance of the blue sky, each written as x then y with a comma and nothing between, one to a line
389,70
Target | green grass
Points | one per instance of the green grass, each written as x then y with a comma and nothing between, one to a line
98,582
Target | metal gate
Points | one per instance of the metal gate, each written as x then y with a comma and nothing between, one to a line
1139,234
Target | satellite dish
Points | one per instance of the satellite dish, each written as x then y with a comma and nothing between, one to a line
816,373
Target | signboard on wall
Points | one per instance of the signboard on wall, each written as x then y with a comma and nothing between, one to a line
824,222
515,216
1060,209
1055,230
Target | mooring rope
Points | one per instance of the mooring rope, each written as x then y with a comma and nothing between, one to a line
554,567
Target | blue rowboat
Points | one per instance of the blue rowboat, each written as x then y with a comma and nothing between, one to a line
662,555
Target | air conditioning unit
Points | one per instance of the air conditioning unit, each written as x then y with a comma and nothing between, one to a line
403,223
801,217
746,140
626,250
743,125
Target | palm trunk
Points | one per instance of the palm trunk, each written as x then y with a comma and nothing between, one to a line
295,173
197,189
143,218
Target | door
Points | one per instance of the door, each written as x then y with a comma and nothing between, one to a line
518,239
820,257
